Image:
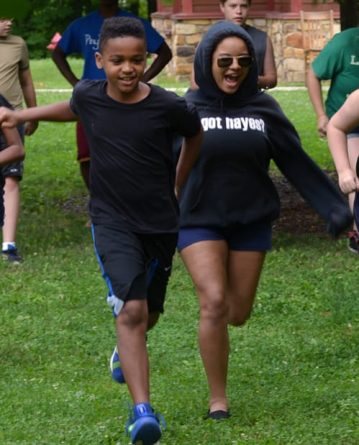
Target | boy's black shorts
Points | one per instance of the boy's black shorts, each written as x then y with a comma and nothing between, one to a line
135,266
15,169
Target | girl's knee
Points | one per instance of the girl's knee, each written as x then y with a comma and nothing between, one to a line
214,306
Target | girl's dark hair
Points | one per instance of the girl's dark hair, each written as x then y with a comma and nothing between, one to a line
121,27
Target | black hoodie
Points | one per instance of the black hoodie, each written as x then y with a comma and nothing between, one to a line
230,183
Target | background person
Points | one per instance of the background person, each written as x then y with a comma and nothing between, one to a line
15,85
229,201
11,150
339,63
237,11
81,37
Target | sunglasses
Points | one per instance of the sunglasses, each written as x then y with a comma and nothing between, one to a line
226,61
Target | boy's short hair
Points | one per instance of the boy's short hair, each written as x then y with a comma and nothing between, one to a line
114,27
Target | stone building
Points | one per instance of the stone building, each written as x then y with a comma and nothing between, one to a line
183,22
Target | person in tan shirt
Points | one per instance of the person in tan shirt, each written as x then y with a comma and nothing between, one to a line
16,85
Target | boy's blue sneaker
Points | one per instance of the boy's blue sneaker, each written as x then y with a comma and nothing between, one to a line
11,255
115,367
143,426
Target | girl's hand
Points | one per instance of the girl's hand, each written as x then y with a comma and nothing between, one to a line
348,181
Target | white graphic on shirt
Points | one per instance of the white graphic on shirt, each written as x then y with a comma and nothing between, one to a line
353,61
233,123
91,41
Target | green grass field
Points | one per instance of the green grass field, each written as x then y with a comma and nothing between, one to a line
293,368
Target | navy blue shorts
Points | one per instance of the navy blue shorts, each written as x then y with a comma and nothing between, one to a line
256,237
354,133
135,266
15,169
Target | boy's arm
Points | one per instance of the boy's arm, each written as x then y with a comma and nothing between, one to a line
28,91
339,125
188,157
269,77
316,96
164,55
58,112
14,151
60,59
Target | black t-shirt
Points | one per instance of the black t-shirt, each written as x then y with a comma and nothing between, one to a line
260,45
132,169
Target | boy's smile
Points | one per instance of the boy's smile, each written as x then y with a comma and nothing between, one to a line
124,61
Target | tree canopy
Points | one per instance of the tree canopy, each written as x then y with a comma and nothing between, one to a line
38,20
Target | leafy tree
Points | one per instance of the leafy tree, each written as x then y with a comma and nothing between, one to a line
38,20
45,17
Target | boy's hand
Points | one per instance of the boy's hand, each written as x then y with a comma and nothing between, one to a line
8,118
322,123
348,182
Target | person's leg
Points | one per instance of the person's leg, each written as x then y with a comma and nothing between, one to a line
123,265
12,211
12,208
161,250
131,327
115,362
206,262
243,277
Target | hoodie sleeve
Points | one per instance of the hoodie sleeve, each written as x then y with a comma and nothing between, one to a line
302,172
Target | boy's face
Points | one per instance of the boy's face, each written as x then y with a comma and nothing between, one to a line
124,61
5,27
235,11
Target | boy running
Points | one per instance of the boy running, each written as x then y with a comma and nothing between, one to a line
130,126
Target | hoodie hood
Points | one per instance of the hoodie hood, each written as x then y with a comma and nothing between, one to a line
203,63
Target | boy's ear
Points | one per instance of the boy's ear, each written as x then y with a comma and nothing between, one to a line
98,57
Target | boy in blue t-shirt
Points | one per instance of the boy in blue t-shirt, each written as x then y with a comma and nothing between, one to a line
11,150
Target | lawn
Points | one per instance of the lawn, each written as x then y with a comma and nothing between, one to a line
293,368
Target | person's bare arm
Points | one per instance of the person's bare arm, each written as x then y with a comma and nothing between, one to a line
28,91
14,151
58,112
314,87
269,77
188,157
193,84
164,55
346,118
59,57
